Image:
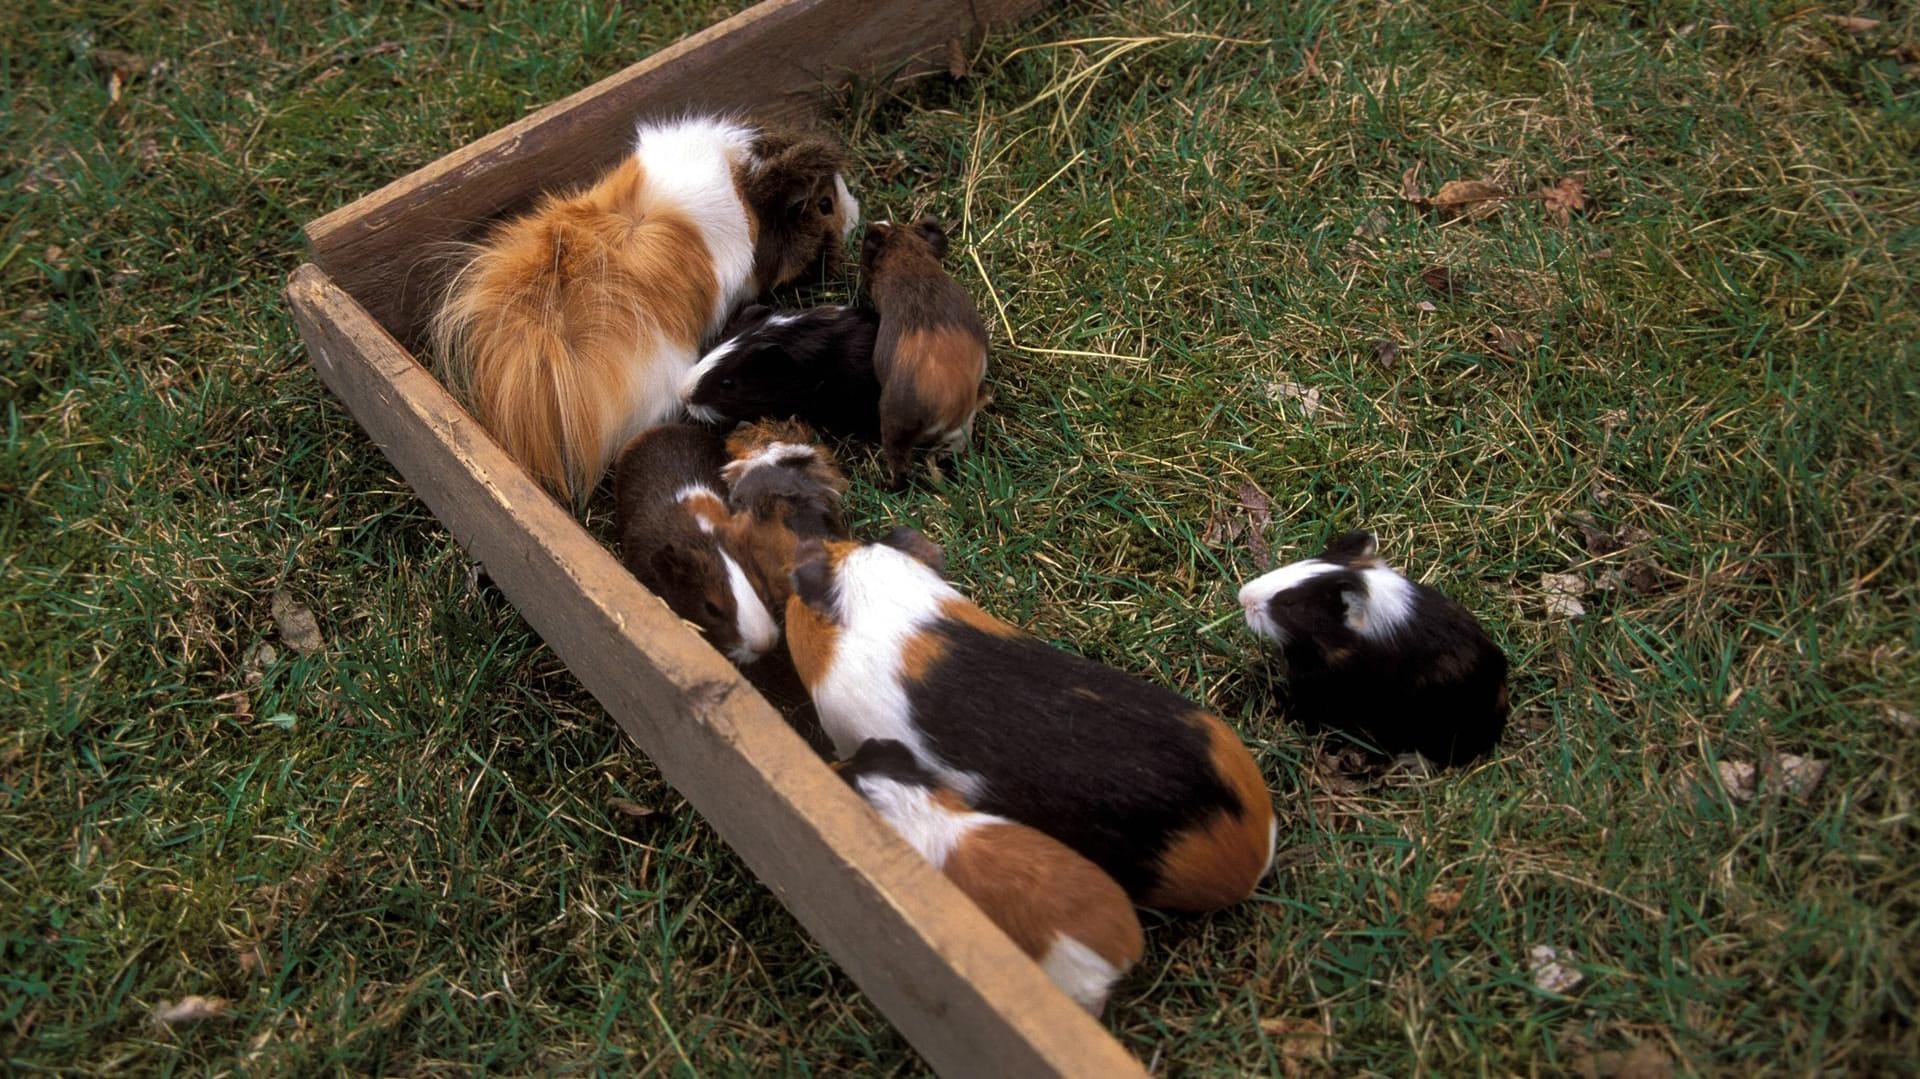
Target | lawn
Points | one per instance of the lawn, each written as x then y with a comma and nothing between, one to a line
1653,416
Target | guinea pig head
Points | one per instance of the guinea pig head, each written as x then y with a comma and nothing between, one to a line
887,246
753,371
705,586
782,444
1336,600
878,589
797,192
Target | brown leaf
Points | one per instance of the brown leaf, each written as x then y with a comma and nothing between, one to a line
298,628
1259,515
1901,718
1308,397
1426,305
1563,592
1297,1039
1410,185
1740,778
1509,342
1551,970
1644,1061
1445,900
1473,199
957,66
241,704
1443,282
191,1010
1386,353
1564,199
629,809
1855,24
127,63
1799,775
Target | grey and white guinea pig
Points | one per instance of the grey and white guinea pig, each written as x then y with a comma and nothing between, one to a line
673,520
1371,652
814,364
1155,790
1061,910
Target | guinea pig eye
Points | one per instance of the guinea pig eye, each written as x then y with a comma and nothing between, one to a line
713,610
726,383
826,205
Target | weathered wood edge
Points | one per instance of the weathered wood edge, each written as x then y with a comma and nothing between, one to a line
771,61
958,989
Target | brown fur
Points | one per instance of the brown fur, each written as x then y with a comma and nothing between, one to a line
1217,862
931,350
811,636
750,438
1033,886
969,613
792,193
921,652
774,512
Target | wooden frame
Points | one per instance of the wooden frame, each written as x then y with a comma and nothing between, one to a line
959,990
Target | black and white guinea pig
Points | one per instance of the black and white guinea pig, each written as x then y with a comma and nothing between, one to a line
814,364
782,488
1155,790
673,522
1389,659
1057,906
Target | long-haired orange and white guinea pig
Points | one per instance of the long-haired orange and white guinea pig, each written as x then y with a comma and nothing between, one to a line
931,349
573,325
1057,906
1156,791
673,523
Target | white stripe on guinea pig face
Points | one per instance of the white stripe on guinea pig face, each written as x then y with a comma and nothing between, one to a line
927,826
1257,593
705,365
1387,606
753,624
882,599
849,206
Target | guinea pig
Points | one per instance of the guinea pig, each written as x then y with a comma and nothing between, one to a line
1373,653
571,326
815,365
1057,906
931,351
673,522
1151,788
783,489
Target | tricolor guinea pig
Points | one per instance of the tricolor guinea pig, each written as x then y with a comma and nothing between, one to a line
673,520
1057,906
572,326
1388,659
931,351
1151,788
814,365
783,488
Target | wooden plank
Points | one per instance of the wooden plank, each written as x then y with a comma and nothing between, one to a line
770,61
947,978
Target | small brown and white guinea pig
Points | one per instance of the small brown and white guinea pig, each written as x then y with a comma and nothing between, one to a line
673,521
783,488
1151,788
931,352
1057,906
814,364
1388,659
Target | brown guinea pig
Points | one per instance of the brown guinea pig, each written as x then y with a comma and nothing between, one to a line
784,488
931,351
673,523
1057,906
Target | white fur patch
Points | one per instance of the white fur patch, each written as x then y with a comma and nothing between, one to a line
1257,593
927,827
704,414
1080,972
757,630
773,453
690,162
1388,606
849,206
881,599
691,380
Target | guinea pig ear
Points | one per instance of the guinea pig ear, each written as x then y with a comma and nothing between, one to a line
930,230
910,541
812,576
1351,547
670,562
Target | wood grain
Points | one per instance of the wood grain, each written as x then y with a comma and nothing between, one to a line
946,977
772,62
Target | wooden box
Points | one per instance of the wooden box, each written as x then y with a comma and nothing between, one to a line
959,990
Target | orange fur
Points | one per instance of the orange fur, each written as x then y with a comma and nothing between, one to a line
1218,861
811,636
545,326
966,612
1033,886
944,365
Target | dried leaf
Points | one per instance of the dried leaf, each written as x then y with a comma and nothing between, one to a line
1425,305
1564,199
1410,185
1563,592
1800,775
1473,199
1297,1040
629,809
238,700
1443,281
1509,342
1550,971
298,628
1901,718
1644,1061
1259,515
1308,397
1386,353
957,65
282,720
1445,900
191,1010
1740,779
1854,24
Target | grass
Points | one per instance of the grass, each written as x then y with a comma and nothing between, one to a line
1185,221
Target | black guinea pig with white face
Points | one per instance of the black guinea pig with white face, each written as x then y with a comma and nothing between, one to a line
814,364
1389,659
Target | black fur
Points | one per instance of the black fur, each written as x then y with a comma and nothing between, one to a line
817,368
1108,764
1437,686
887,759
